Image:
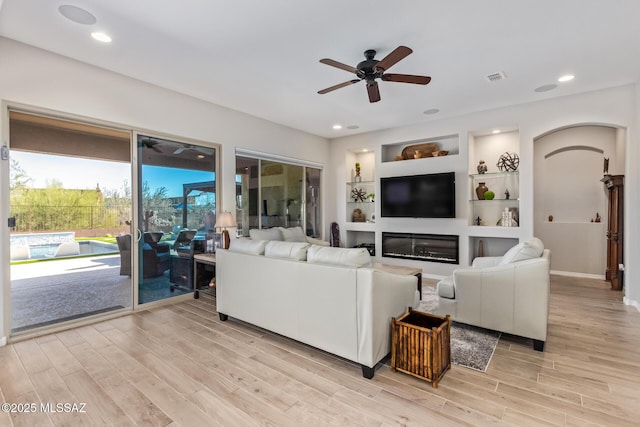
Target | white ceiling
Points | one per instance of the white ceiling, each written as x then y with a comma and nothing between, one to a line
261,57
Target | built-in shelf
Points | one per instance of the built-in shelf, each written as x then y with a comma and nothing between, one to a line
505,185
450,143
361,226
514,202
491,231
490,175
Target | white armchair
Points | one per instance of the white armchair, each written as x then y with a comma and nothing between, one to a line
508,293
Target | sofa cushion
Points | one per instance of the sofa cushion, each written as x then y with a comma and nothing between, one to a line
288,250
318,242
251,247
522,251
347,257
446,289
265,234
293,234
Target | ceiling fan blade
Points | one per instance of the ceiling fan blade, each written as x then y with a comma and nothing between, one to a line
203,150
406,78
338,86
394,57
150,143
340,65
373,91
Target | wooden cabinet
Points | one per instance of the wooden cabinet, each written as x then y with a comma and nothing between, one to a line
615,188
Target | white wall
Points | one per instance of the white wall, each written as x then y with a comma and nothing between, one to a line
615,107
42,79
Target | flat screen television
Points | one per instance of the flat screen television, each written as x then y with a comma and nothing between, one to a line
419,196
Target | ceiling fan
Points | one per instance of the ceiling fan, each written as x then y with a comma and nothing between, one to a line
151,143
202,150
371,69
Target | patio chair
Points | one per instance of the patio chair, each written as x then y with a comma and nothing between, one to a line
154,263
124,246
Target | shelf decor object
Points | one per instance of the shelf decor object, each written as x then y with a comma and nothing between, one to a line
426,150
482,167
358,195
358,215
508,162
481,189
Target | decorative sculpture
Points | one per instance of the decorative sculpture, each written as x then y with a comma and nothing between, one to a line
358,195
358,216
508,162
482,167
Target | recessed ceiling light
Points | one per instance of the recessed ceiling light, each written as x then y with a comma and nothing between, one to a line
364,150
495,131
545,88
352,127
566,78
431,111
77,15
337,127
101,37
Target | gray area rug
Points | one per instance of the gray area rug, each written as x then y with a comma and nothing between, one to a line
471,346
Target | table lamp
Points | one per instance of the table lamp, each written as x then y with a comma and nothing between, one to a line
225,220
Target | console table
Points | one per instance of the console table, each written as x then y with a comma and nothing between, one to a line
200,260
399,269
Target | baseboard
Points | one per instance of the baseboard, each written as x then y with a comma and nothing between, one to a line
631,302
580,275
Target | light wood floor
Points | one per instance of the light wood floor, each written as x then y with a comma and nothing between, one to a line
181,366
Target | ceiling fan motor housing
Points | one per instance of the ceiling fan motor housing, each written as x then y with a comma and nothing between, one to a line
366,68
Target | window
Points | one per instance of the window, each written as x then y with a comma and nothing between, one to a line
274,193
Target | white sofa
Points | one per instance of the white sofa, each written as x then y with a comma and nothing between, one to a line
333,301
508,293
290,234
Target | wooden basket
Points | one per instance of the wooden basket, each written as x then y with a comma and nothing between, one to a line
421,346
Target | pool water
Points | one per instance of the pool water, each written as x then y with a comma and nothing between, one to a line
87,247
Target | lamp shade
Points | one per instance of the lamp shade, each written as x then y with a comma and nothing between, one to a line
225,220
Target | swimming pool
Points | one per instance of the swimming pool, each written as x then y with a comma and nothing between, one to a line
45,245
87,247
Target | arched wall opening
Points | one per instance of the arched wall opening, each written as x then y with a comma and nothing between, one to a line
570,200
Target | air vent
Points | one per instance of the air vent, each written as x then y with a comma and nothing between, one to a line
496,76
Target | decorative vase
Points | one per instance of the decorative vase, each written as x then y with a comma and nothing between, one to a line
482,167
480,190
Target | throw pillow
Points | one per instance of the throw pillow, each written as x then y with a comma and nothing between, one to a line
265,234
293,234
346,257
250,247
288,250
522,251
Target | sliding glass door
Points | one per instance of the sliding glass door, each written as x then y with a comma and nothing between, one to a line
69,197
176,199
